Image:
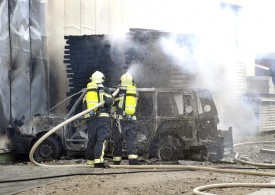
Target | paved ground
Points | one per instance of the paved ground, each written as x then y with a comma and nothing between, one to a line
113,182
19,172
126,181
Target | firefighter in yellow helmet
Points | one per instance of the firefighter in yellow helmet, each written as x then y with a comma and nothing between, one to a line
98,119
125,120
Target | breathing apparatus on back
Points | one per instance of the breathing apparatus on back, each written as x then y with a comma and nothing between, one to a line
130,97
92,97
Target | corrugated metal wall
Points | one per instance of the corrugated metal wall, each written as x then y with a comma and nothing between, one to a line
4,66
231,80
87,17
267,115
21,59
236,79
29,86
179,79
23,62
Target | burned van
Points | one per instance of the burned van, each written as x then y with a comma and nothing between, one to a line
172,124
180,124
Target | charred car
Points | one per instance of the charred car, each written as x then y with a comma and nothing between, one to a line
172,124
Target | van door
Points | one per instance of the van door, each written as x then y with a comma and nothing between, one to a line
208,115
145,118
75,135
175,111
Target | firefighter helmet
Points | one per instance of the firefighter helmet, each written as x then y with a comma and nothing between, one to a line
126,80
97,77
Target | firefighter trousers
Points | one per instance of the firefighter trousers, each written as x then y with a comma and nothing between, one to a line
98,133
129,134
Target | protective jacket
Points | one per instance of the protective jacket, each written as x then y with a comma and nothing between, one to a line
99,121
94,95
125,102
124,126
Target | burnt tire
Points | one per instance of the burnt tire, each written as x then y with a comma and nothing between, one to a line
167,147
49,149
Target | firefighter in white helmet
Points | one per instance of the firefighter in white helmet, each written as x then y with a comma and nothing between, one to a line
98,119
125,120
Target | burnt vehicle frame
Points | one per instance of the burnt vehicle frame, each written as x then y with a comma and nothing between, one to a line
172,124
182,124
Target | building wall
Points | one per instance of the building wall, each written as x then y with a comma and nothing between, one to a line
86,17
23,61
38,51
4,66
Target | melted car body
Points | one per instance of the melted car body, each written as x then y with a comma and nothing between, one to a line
172,124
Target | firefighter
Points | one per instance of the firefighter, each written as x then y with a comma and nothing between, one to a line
98,120
124,126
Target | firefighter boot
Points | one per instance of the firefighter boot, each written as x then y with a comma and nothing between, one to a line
117,160
134,162
102,165
90,162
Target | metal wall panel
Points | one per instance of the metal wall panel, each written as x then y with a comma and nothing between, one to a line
102,17
21,56
241,84
72,17
115,15
56,24
267,117
235,80
29,84
39,61
4,66
87,17
127,15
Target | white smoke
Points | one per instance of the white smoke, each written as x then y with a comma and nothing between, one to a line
181,55
212,59
224,40
257,27
58,82
121,41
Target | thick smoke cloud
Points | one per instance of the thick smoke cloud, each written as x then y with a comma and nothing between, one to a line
211,59
139,53
210,54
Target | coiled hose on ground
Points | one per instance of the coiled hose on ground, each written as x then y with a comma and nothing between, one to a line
167,167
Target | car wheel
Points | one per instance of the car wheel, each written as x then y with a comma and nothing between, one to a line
49,149
167,147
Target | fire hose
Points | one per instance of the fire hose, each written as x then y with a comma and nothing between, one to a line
252,163
46,135
199,190
168,167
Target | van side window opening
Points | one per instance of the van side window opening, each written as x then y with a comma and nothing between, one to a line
200,106
145,108
179,102
187,105
205,102
174,104
165,104
183,104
